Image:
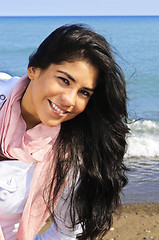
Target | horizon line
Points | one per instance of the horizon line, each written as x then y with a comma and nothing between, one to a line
133,15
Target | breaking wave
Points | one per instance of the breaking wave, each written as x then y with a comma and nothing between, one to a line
144,140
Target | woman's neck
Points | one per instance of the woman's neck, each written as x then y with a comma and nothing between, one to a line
26,108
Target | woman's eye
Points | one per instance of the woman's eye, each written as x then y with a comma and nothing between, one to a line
65,80
85,93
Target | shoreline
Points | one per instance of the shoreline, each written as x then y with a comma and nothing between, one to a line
133,221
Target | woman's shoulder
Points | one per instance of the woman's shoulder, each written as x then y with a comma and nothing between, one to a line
6,79
4,76
7,83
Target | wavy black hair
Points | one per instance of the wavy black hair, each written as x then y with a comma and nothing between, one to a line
91,145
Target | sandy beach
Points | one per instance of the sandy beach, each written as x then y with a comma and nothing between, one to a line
132,222
136,222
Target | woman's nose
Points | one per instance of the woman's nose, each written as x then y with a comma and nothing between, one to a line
69,98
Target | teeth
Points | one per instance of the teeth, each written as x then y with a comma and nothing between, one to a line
56,108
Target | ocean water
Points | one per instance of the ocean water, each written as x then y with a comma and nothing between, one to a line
135,42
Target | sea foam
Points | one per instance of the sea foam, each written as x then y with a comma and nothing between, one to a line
143,140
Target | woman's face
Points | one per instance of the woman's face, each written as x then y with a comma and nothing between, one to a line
59,93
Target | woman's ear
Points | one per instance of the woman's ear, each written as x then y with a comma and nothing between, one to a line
33,73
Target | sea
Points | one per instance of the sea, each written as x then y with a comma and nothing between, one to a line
135,44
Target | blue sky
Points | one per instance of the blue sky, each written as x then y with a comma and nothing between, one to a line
78,7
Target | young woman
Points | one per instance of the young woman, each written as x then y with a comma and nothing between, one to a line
63,129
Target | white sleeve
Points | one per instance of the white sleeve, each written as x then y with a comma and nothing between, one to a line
63,231
54,234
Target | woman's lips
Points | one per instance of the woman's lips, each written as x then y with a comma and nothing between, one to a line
57,109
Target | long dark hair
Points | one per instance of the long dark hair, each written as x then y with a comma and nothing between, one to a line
91,145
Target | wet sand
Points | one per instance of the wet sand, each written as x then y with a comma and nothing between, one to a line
138,221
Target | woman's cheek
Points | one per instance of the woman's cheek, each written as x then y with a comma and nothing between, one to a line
82,105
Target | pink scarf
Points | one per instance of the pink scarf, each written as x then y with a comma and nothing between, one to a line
17,143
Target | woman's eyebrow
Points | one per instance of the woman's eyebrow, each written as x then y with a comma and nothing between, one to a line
89,89
67,74
72,79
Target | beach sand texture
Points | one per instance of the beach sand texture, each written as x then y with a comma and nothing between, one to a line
132,222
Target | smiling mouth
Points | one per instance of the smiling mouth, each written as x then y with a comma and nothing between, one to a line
57,109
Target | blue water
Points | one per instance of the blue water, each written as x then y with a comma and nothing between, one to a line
136,41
